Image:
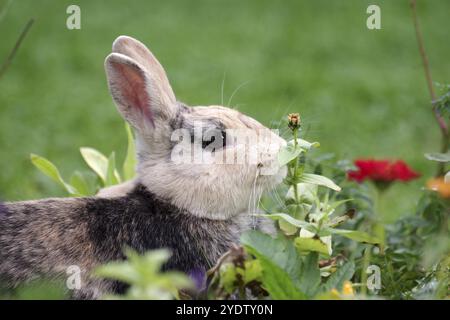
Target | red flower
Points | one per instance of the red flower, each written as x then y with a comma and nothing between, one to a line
382,171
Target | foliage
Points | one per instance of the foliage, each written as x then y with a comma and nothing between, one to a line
442,104
297,263
142,274
417,252
308,259
328,233
105,169
42,289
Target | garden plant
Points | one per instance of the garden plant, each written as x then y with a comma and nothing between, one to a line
372,223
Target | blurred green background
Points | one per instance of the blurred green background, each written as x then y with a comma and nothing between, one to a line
363,92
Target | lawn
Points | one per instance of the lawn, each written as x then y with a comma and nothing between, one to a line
361,92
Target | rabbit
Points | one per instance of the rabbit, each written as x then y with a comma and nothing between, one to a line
196,210
117,190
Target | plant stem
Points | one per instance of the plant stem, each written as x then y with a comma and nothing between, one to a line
440,120
13,52
377,227
295,133
366,262
5,10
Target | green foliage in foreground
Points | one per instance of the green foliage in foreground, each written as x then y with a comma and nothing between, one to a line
104,168
328,234
142,274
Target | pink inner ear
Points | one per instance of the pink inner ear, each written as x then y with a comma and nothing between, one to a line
133,90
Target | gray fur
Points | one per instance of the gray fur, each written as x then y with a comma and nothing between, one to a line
43,238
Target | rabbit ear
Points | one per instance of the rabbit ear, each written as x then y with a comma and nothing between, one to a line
137,51
137,93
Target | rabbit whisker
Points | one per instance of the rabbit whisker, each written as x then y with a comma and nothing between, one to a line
252,199
236,91
222,87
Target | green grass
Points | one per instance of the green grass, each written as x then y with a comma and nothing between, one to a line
363,92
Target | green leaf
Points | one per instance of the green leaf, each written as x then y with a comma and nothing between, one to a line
277,282
50,170
78,181
440,157
319,180
112,176
228,277
305,144
307,192
359,236
122,271
96,161
129,165
311,245
253,271
337,279
280,251
298,223
143,275
287,228
310,278
287,154
337,204
46,167
447,177
337,221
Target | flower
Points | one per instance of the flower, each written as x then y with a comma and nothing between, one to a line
293,121
326,240
198,276
439,185
382,171
347,288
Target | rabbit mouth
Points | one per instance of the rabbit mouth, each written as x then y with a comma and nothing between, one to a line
272,176
263,183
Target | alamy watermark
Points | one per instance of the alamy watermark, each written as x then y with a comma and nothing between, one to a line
373,282
73,21
373,22
73,281
203,145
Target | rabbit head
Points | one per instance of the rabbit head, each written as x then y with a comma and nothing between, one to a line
212,161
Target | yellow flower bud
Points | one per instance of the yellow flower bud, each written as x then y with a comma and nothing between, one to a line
347,289
293,121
